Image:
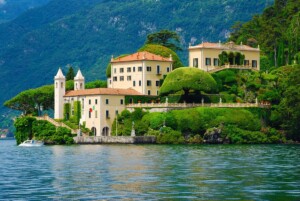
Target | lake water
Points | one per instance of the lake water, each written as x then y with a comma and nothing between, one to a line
150,172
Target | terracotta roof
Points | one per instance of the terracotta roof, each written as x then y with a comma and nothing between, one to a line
141,56
102,91
227,46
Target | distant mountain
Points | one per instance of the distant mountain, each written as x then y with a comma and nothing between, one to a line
10,9
85,33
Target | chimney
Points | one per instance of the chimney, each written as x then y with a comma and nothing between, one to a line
171,58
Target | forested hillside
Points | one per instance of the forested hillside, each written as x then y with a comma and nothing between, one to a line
277,31
10,9
85,33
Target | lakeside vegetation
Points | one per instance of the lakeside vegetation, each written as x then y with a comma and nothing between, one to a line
278,84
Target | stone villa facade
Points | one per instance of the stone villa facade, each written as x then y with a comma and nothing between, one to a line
138,74
205,56
141,71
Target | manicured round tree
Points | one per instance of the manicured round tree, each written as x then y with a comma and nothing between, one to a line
162,51
187,79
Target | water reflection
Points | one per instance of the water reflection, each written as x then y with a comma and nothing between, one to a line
143,172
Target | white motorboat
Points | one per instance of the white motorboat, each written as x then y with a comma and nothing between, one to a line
32,143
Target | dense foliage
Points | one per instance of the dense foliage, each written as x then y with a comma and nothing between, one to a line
10,9
85,33
187,79
33,100
189,126
277,31
166,38
30,128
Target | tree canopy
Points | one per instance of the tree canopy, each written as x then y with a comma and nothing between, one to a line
70,74
166,38
188,79
162,51
277,31
31,100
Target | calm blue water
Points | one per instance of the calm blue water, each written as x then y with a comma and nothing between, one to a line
150,172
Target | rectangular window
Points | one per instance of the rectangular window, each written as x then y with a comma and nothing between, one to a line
121,70
133,83
157,92
96,114
149,92
148,83
121,78
168,69
128,78
195,62
96,101
157,83
207,61
254,63
128,70
133,69
83,103
115,70
121,101
149,68
90,102
117,112
107,114
115,78
106,101
158,70
246,62
216,62
140,69
90,114
140,83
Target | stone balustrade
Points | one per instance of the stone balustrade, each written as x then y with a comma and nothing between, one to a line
191,105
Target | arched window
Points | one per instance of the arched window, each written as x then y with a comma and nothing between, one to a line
62,85
56,85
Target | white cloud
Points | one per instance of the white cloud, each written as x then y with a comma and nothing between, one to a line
2,2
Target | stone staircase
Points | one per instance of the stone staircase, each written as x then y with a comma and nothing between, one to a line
55,123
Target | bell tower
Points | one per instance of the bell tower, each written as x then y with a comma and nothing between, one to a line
59,92
79,81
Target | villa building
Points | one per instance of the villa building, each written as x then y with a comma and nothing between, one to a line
141,71
98,107
138,74
209,56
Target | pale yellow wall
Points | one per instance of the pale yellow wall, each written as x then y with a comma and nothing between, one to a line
153,76
212,54
195,53
137,76
100,121
204,53
252,55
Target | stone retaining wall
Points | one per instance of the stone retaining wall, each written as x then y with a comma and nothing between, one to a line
115,140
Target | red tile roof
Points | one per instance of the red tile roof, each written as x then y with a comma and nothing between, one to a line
141,56
102,91
226,46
